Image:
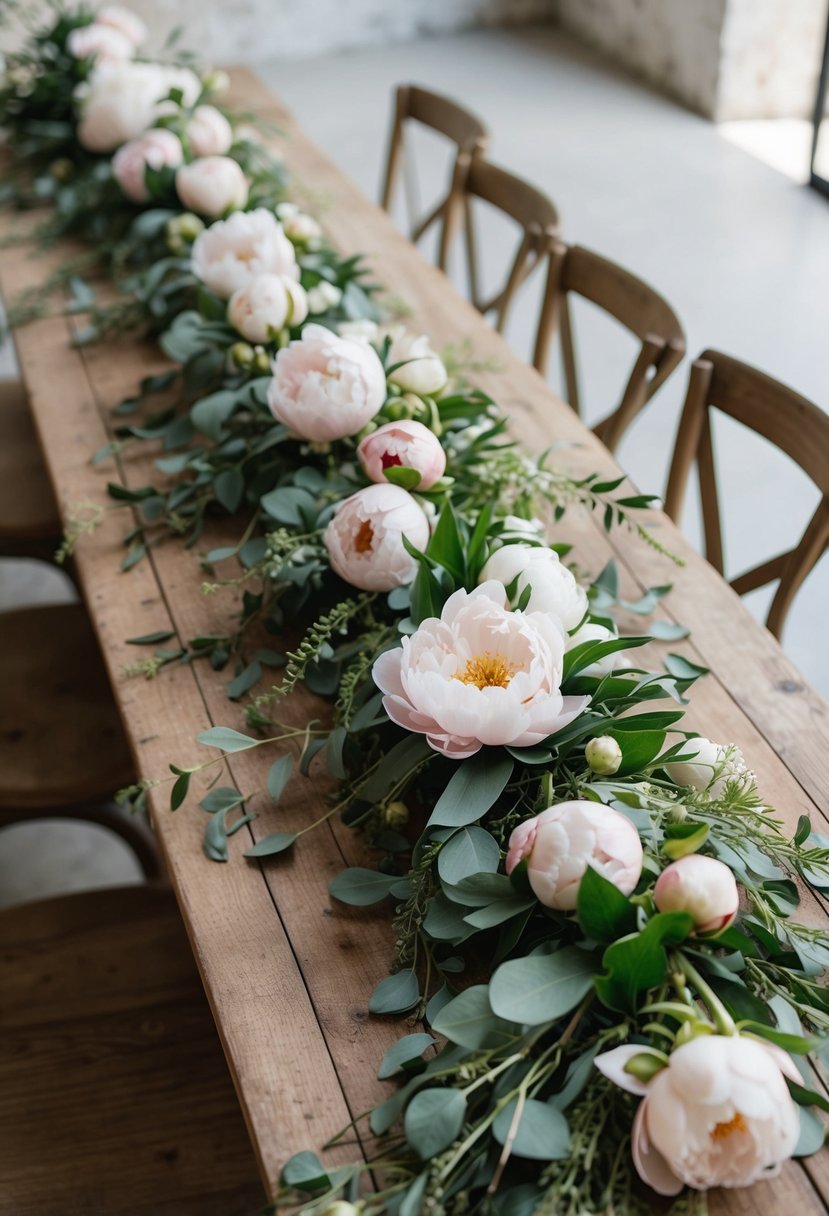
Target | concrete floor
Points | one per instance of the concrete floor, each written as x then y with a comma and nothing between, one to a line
741,251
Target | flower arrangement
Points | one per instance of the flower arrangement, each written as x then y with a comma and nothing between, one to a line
593,906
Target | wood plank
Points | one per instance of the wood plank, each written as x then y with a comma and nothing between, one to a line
287,975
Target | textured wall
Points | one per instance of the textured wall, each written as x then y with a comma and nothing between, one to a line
725,58
250,31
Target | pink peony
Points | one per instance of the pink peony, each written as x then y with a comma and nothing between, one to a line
365,538
408,444
212,185
156,148
233,252
702,886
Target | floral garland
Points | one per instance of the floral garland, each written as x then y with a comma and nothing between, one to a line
652,1013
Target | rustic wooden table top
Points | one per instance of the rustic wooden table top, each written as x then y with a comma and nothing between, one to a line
288,975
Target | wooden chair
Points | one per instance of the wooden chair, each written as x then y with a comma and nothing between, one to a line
64,750
463,129
30,524
634,304
783,417
115,1096
538,219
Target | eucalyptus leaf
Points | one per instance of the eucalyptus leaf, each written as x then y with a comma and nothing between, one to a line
433,1119
475,786
542,1133
541,988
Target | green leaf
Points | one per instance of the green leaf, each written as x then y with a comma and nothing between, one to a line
470,851
361,887
469,1021
542,1135
433,1119
541,987
401,475
277,842
495,914
474,787
278,776
287,503
404,756
604,912
446,546
796,1044
684,838
639,748
150,639
812,1134
225,739
639,962
211,413
229,486
407,1051
179,791
807,1097
222,798
581,656
305,1172
395,994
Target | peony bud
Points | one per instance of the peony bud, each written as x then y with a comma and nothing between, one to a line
365,538
560,843
242,354
156,149
604,755
100,42
406,444
209,132
323,297
212,185
554,589
701,886
267,304
186,226
421,371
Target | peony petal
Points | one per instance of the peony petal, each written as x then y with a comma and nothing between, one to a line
651,1166
612,1065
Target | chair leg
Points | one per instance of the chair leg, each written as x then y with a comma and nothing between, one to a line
132,830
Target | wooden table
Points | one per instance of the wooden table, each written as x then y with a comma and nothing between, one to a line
288,975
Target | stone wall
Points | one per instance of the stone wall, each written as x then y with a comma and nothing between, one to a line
727,59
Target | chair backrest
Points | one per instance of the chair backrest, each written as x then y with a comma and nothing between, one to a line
538,219
780,415
634,304
458,125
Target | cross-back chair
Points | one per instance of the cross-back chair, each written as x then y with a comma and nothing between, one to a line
635,305
538,218
779,414
464,129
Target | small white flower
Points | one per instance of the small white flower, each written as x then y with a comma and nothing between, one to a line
711,767
421,371
604,755
209,132
323,296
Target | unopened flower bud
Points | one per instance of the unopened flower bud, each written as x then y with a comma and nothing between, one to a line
62,170
262,361
186,226
702,886
216,82
604,755
242,354
396,814
341,1208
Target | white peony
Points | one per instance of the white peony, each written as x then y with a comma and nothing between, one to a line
323,296
233,252
209,132
591,631
300,227
99,42
421,370
481,675
124,20
559,844
720,1114
711,767
263,307
365,538
120,101
554,589
325,387
212,185
156,148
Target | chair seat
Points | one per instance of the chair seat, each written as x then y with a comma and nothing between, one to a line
61,739
115,1098
28,511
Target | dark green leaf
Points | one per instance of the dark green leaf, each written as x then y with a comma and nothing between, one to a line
361,887
278,842
474,787
604,912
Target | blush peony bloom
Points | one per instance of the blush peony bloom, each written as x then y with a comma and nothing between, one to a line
99,42
720,1114
421,370
480,675
156,148
364,538
560,843
124,20
554,589
212,185
325,387
209,132
702,886
265,305
409,444
712,766
233,252
120,101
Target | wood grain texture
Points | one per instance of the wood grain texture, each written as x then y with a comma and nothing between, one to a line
287,974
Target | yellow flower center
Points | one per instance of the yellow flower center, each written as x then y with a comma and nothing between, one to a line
487,670
723,1130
